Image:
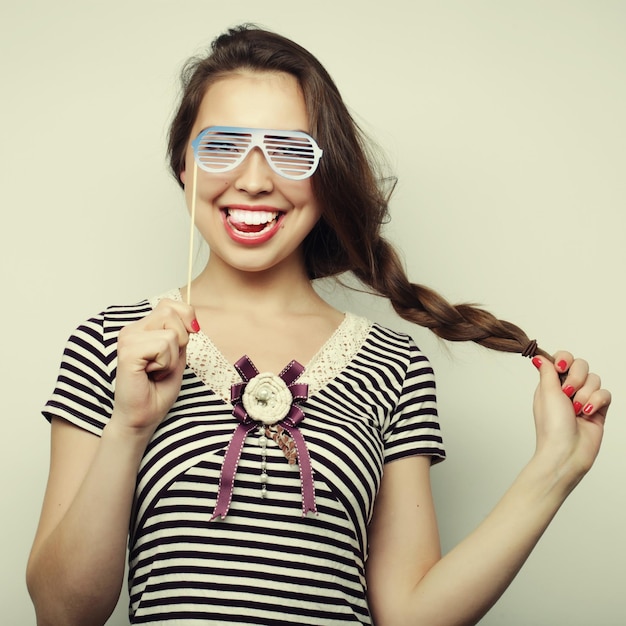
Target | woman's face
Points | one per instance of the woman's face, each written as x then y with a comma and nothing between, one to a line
252,217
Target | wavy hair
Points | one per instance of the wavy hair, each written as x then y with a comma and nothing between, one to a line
347,184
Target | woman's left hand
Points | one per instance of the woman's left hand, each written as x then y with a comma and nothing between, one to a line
569,414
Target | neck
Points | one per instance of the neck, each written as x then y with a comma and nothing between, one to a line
281,288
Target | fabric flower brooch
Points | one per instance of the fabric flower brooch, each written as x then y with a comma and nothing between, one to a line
268,402
266,398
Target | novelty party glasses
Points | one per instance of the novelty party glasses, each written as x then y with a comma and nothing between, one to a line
290,153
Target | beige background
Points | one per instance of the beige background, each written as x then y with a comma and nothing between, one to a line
505,122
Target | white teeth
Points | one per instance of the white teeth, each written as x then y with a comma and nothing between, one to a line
252,218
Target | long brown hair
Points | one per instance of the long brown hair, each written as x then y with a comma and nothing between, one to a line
347,185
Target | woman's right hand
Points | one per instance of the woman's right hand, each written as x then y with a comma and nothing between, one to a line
72,578
151,357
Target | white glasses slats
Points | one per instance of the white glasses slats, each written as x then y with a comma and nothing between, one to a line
291,153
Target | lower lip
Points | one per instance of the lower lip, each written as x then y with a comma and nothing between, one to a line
252,239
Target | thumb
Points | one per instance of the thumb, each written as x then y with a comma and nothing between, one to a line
548,375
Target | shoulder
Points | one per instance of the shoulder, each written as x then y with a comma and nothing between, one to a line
396,347
103,328
116,316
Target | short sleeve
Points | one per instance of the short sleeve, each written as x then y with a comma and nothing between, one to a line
414,426
83,394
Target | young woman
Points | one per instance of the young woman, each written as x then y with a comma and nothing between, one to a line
268,455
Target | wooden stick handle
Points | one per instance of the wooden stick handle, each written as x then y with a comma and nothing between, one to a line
191,230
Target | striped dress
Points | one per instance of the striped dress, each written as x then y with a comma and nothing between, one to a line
371,400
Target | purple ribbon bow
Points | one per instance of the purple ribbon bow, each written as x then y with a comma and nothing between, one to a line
290,422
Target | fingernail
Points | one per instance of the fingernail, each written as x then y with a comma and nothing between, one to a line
588,408
562,365
195,326
537,362
577,407
568,390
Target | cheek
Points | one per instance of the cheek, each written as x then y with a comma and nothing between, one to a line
300,193
208,186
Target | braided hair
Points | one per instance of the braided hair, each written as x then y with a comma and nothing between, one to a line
348,185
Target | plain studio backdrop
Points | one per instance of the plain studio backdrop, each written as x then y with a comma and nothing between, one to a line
505,124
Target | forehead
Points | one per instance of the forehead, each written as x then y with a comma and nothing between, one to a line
254,100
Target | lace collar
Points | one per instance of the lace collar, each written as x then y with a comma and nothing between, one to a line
215,371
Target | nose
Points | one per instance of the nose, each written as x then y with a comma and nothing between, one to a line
254,175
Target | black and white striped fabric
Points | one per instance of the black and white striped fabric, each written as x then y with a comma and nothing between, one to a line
264,563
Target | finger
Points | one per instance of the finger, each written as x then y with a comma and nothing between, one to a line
597,404
161,350
584,393
172,308
176,316
548,374
185,312
172,367
563,361
147,350
577,375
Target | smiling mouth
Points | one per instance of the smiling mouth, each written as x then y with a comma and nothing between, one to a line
251,223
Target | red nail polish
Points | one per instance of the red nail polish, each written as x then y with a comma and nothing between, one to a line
562,365
195,326
577,407
537,362
568,390
588,408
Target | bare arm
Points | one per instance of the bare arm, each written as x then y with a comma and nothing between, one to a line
407,582
76,567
